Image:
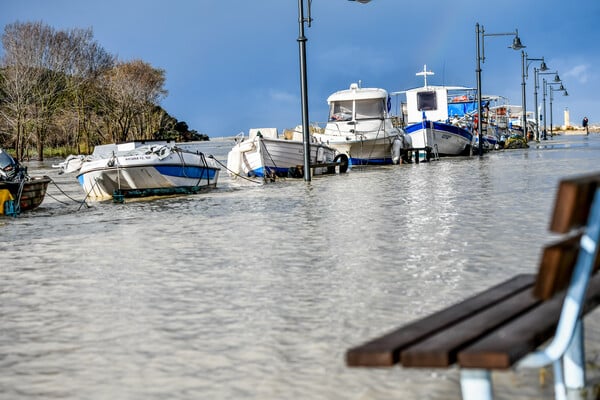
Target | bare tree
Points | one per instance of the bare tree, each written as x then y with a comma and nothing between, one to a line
135,88
87,65
60,87
21,56
45,72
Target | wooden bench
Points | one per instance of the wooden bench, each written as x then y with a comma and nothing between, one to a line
503,327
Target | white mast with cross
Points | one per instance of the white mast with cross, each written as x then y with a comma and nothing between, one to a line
424,74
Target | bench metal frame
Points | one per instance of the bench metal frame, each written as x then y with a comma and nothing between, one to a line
566,351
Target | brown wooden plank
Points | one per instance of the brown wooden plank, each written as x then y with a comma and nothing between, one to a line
572,203
440,350
385,351
507,345
556,267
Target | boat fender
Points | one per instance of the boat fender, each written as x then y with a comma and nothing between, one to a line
320,154
342,159
396,146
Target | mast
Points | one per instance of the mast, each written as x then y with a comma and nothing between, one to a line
424,74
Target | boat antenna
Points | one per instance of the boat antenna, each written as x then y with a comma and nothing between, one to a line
424,73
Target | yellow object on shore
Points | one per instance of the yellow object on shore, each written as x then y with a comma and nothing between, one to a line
4,196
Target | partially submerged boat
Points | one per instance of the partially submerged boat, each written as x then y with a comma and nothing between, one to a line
143,168
265,155
361,127
436,118
19,191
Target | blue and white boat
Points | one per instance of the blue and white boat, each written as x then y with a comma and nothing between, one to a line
437,118
143,168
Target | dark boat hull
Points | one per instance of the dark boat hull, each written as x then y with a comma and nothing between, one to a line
34,191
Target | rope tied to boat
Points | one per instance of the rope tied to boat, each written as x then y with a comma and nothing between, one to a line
81,202
233,172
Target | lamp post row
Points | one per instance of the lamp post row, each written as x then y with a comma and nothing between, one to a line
525,63
480,47
548,85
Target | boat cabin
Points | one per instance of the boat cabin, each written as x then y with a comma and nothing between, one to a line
438,103
358,103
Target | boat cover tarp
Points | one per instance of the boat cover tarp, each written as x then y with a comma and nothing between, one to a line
462,108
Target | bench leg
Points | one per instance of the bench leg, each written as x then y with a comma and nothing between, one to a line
560,392
476,384
574,363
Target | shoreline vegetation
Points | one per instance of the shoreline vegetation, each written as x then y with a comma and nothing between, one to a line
61,92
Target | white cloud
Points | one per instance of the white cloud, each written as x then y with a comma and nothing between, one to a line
278,95
581,73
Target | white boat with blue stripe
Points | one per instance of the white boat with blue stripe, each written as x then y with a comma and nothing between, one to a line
143,168
434,122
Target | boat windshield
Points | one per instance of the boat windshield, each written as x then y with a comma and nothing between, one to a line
365,109
341,111
6,160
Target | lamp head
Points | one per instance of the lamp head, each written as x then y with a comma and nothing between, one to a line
566,93
543,66
517,45
556,78
561,87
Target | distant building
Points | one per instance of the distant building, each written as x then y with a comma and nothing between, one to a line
567,121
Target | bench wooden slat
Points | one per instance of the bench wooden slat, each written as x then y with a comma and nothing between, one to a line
507,345
440,350
573,201
556,267
385,351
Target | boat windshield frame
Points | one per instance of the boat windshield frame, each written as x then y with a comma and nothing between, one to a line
363,109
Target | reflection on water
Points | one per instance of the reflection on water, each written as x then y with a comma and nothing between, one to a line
254,291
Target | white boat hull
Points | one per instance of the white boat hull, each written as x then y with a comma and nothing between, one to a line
446,139
268,157
179,171
361,150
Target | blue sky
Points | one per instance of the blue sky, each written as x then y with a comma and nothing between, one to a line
232,65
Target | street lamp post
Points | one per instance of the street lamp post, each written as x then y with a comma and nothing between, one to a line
552,90
556,80
304,85
480,42
525,62
536,86
303,80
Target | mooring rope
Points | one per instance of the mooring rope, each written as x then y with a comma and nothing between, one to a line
234,173
268,173
64,193
88,194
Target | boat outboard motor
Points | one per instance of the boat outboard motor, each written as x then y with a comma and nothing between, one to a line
9,168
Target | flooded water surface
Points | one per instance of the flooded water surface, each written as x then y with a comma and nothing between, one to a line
256,291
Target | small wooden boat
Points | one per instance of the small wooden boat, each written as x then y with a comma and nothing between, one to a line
29,192
19,191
